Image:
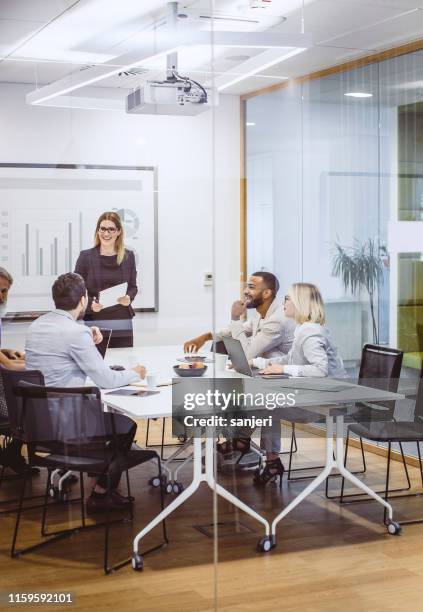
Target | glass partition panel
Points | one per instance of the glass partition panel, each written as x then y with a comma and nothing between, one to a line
340,221
62,164
274,187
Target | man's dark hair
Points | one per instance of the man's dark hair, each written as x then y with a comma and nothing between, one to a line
270,281
67,290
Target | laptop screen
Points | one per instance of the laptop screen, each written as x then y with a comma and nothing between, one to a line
103,345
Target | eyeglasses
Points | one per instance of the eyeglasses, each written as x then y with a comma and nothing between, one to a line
103,229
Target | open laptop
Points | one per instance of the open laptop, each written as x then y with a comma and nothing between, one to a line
238,357
240,362
104,344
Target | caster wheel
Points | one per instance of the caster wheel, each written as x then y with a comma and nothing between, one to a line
394,528
155,481
52,492
177,488
168,488
182,438
265,544
63,496
137,562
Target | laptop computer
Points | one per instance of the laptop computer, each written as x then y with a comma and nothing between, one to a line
240,362
104,344
238,357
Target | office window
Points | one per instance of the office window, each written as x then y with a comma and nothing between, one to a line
334,165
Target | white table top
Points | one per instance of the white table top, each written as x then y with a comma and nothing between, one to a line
157,359
161,359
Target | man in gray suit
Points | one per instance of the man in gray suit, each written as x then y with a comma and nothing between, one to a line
63,349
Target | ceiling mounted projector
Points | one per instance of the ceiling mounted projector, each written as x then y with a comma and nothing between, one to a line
175,96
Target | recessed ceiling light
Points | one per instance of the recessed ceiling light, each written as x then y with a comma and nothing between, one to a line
250,123
358,94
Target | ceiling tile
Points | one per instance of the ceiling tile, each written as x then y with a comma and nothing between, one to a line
328,18
404,27
32,72
32,10
12,32
404,5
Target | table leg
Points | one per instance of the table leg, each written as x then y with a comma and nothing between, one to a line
348,475
321,477
198,478
230,497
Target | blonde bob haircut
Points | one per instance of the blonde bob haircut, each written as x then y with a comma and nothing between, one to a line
308,303
119,244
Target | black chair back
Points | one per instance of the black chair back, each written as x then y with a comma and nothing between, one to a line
69,421
380,367
9,380
418,408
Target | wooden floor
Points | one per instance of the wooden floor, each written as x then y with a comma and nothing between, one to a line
328,558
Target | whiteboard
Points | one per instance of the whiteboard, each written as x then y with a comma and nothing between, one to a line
48,214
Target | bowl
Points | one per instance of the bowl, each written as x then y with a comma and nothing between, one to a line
193,358
189,372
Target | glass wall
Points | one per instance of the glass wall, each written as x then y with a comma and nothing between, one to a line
334,176
63,165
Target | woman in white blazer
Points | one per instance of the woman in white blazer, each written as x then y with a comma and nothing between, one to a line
313,354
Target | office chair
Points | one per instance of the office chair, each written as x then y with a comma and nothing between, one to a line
398,430
8,379
66,428
380,368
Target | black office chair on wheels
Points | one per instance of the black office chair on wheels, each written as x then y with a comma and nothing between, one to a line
403,428
66,428
380,368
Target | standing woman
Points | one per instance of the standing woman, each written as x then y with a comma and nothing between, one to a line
108,264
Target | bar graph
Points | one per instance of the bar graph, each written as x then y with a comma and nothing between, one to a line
49,215
34,258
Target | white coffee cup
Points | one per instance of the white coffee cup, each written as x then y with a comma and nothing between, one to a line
152,380
220,362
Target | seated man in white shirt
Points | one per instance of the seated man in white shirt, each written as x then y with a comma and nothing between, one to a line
268,333
63,349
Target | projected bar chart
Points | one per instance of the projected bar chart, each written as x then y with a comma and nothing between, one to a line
49,214
41,254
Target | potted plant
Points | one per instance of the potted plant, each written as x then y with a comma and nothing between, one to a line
360,267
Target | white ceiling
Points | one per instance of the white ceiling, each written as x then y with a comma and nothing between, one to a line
44,40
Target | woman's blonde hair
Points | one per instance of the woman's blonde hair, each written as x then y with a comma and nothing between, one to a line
119,244
308,303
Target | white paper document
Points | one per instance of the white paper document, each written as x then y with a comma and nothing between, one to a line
109,297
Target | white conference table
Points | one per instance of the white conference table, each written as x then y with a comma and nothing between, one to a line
161,359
